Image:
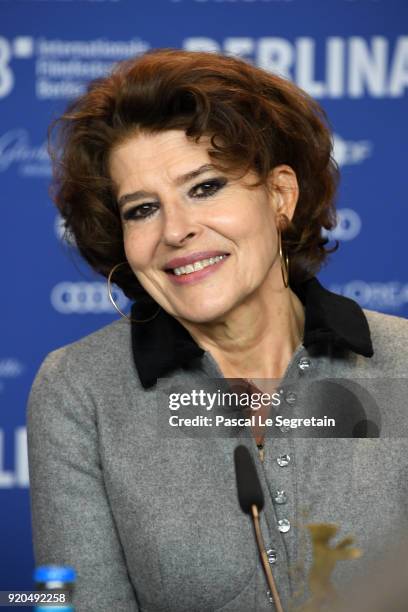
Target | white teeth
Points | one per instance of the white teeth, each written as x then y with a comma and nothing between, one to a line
198,265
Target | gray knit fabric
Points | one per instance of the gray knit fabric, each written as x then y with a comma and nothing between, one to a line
152,522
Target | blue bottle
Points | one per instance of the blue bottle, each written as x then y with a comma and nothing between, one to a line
55,577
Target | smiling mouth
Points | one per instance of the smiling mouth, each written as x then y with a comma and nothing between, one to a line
196,266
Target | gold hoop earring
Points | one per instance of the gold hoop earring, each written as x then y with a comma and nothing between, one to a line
284,261
122,314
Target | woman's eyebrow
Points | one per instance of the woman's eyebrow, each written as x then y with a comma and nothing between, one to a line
184,178
180,180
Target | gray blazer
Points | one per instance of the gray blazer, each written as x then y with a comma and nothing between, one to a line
150,518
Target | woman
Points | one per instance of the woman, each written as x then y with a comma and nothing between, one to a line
200,185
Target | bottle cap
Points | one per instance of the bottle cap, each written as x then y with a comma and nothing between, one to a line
60,573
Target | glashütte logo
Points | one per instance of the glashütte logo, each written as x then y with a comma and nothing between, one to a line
15,149
85,298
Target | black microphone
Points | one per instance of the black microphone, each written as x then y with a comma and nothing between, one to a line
248,485
251,500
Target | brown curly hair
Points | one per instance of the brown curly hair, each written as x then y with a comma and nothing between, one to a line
256,121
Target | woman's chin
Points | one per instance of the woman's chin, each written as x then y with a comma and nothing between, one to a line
202,315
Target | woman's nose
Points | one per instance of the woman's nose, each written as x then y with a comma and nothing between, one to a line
178,225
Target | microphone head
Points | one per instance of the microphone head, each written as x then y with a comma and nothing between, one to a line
248,485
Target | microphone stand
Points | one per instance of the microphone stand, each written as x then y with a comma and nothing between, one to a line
261,547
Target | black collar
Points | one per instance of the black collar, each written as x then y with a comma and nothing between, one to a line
163,344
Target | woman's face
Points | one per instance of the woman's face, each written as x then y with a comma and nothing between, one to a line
199,241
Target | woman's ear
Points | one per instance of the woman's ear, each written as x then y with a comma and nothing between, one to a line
284,190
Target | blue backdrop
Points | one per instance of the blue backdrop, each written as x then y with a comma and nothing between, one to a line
352,55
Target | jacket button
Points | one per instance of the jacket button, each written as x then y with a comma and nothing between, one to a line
271,554
283,460
304,364
280,497
283,525
290,398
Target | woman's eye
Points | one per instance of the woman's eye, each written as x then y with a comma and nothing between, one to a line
208,188
142,211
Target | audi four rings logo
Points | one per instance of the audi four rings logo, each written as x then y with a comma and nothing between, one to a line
85,298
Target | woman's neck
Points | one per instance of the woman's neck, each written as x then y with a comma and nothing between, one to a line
257,339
